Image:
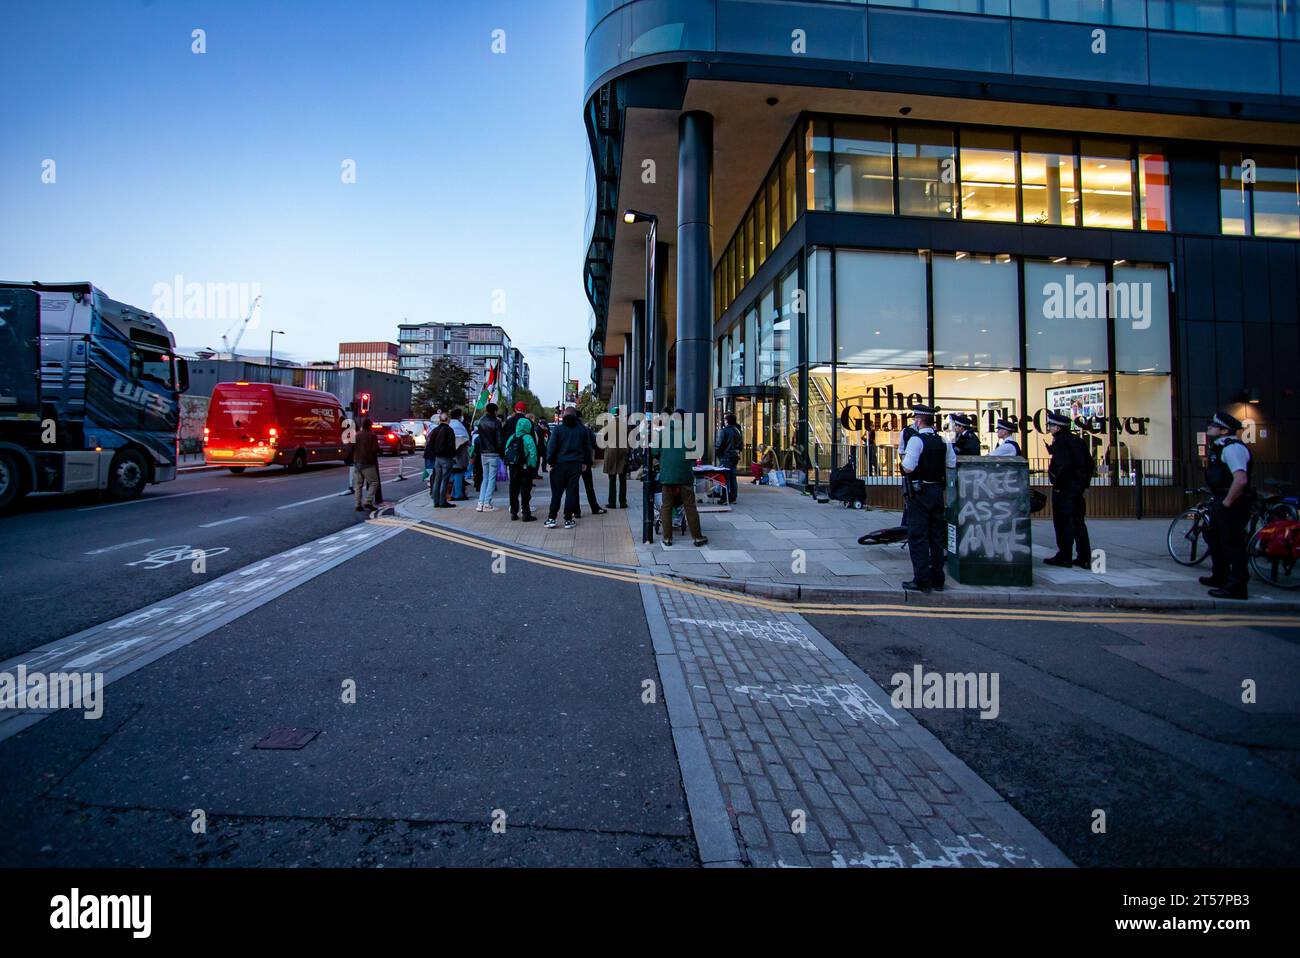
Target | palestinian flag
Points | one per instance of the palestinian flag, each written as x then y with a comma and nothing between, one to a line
489,393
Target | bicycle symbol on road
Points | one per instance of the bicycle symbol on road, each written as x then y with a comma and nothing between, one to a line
159,558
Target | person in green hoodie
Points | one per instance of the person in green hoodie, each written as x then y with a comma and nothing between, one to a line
521,459
676,479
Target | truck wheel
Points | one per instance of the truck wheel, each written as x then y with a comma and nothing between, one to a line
12,486
127,475
299,461
237,470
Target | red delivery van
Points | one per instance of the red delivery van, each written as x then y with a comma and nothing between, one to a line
257,424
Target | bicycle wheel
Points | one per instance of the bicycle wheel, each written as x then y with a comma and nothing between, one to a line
1285,574
1186,540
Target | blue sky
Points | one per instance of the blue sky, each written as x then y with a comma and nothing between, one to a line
225,167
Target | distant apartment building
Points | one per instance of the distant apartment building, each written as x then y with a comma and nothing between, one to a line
381,357
473,345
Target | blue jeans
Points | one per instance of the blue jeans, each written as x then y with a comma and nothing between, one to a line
441,473
489,478
458,484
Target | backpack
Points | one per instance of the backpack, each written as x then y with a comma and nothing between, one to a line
1281,540
515,453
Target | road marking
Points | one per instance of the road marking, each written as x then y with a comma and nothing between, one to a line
171,624
219,522
136,502
1213,620
304,502
123,545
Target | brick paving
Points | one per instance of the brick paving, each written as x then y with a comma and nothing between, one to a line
794,737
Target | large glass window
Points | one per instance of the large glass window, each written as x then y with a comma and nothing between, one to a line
1276,195
789,189
1065,315
1047,172
1234,198
773,190
759,219
881,308
927,170
766,345
1106,179
864,167
1153,188
976,311
819,305
785,338
988,176
751,354
818,151
1140,309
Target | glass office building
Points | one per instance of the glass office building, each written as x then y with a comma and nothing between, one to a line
1002,207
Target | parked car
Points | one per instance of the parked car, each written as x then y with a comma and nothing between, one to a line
257,424
419,430
393,439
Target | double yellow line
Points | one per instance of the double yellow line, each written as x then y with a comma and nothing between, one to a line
885,610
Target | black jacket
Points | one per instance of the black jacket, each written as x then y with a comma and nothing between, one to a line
1070,468
570,442
441,443
489,441
729,446
967,444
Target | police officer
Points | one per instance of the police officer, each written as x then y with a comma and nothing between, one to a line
1227,472
966,442
1070,471
1006,445
926,461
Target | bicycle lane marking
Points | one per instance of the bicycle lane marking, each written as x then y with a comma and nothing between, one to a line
130,642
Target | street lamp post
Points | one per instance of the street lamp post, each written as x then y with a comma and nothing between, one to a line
642,378
270,358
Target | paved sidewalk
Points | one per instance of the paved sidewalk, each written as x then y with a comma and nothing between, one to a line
756,545
606,538
792,756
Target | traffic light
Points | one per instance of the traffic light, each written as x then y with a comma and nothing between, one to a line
365,404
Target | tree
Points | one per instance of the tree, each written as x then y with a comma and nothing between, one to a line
445,386
590,405
531,403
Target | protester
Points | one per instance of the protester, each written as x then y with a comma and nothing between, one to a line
676,479
488,447
441,451
508,427
521,458
762,466
349,426
461,463
542,430
615,462
365,459
727,452
567,452
589,484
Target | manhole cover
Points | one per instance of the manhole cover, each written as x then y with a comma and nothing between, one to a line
291,738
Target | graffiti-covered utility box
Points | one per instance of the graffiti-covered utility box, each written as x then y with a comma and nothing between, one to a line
989,540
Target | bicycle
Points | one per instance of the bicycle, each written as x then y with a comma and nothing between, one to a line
1186,536
1279,567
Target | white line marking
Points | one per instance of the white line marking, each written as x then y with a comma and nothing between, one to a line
133,542
292,505
221,522
133,502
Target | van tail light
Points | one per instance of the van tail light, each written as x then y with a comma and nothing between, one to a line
391,436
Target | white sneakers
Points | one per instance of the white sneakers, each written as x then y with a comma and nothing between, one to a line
485,507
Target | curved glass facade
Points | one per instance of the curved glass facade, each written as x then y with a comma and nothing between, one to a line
1226,46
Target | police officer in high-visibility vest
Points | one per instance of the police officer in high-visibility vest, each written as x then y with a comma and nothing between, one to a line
965,442
1006,446
926,461
1227,473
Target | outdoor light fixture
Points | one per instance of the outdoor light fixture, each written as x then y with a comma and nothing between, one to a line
636,216
1250,394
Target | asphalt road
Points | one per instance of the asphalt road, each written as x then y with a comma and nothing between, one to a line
1145,723
475,693
69,562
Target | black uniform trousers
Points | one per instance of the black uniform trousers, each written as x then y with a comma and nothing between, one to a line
521,489
927,531
1068,514
1226,537
618,483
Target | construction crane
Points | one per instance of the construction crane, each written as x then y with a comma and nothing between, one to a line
225,337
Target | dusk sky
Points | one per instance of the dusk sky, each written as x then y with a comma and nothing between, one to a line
226,166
